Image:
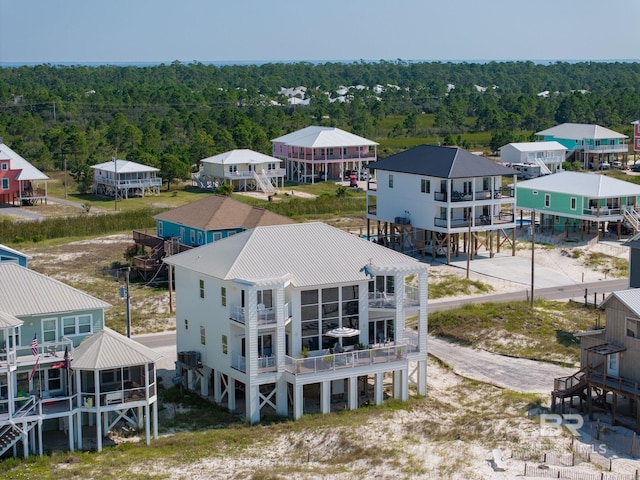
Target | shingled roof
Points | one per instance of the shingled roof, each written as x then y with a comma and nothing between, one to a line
440,162
219,212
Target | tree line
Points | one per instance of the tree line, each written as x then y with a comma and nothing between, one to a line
172,115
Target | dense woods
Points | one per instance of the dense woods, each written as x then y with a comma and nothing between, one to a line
170,116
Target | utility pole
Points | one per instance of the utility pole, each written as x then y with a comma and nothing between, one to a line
124,293
115,181
533,249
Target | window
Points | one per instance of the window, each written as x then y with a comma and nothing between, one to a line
49,329
223,296
54,379
425,186
485,183
265,297
633,328
192,236
573,203
186,324
203,337
5,184
78,325
534,192
201,288
326,309
547,200
217,236
390,181
160,229
200,238
4,166
225,345
233,168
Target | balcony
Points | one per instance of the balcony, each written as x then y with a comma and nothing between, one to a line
385,300
265,315
366,157
266,364
457,196
602,212
117,394
481,220
347,360
132,183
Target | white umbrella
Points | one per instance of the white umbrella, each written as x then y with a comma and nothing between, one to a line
343,332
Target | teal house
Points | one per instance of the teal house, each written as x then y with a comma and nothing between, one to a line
53,380
595,147
580,202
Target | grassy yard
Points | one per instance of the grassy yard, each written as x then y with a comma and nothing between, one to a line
542,333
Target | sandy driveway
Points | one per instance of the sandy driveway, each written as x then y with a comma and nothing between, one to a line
517,374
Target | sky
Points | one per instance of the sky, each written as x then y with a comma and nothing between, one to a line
160,31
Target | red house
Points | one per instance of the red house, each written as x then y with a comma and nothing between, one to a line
19,180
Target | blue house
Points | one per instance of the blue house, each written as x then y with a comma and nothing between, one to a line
199,223
8,254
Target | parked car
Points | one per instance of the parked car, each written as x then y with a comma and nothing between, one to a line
636,168
625,228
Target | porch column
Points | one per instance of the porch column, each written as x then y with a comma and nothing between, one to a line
298,399
378,382
281,398
99,429
217,395
155,420
147,429
404,379
231,394
204,384
353,393
325,396
70,421
422,377
252,402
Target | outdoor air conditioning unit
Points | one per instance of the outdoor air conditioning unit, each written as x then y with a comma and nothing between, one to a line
402,221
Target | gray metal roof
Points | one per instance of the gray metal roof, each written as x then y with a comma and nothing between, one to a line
25,292
124,166
241,156
440,162
323,137
580,131
536,146
108,349
630,298
590,185
309,253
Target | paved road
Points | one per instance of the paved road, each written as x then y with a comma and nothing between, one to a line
575,291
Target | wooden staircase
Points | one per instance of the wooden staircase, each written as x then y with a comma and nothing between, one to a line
571,386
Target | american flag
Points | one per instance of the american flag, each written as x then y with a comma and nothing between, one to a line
34,345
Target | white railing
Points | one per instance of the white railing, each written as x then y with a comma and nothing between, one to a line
132,183
265,315
388,300
47,349
353,359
